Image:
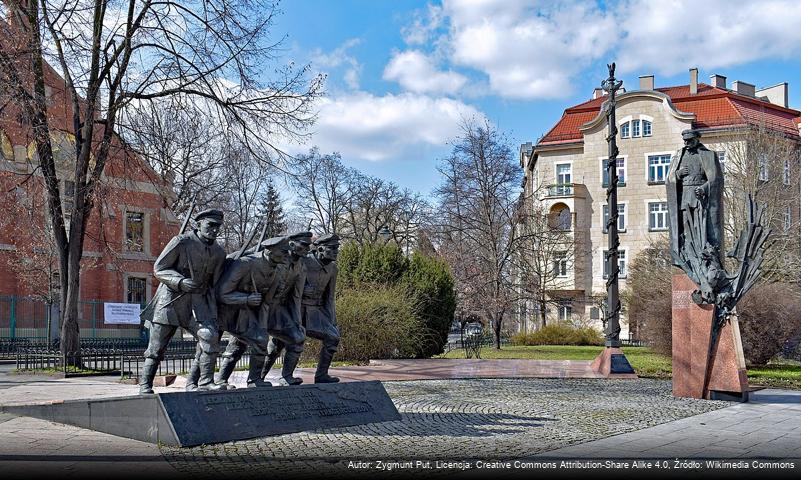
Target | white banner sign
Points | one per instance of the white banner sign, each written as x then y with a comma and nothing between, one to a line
121,313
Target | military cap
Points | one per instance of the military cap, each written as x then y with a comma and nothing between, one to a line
210,213
301,237
690,133
275,243
330,239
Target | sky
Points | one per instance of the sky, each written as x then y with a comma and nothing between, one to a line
404,75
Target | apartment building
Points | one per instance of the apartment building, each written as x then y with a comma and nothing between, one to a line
566,178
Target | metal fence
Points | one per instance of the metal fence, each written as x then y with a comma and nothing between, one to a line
124,363
34,318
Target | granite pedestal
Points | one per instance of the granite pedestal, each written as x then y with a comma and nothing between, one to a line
194,418
691,331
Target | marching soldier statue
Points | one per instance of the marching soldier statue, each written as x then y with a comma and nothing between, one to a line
284,325
319,316
246,293
188,269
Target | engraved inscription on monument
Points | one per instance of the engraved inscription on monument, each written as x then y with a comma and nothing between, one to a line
682,299
285,405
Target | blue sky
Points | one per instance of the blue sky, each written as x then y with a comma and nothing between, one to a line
403,74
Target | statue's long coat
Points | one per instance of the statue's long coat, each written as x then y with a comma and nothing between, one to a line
711,203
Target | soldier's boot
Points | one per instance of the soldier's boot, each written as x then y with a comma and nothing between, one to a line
255,378
274,350
192,377
321,375
206,380
226,369
147,376
291,359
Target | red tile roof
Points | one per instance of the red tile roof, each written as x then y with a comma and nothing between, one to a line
713,107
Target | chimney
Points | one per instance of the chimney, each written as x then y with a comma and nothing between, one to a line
693,81
743,88
646,82
718,81
776,94
598,92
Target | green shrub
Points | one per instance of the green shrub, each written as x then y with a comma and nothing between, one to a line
559,334
422,281
375,323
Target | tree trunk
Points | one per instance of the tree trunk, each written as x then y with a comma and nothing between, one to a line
70,331
496,327
542,313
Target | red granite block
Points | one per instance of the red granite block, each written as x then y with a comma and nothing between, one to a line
691,329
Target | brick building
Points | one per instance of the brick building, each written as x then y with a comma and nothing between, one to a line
128,228
566,178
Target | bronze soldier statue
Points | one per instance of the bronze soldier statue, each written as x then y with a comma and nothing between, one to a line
319,315
285,327
695,202
246,293
188,269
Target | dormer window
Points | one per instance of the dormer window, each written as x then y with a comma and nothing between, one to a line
640,127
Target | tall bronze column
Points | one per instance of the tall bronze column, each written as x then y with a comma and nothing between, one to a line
612,333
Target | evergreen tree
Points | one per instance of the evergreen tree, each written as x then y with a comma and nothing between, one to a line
272,212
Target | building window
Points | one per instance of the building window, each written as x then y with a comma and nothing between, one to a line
763,167
135,231
621,217
621,261
658,166
621,173
635,128
560,264
787,171
657,216
722,159
646,128
564,311
137,290
625,131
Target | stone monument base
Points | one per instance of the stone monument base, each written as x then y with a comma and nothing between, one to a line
691,330
612,363
187,419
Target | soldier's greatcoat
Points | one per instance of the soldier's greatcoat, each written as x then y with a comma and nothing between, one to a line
243,276
319,313
187,256
705,172
285,320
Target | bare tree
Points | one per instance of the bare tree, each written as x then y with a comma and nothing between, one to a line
323,186
478,204
112,56
545,261
764,163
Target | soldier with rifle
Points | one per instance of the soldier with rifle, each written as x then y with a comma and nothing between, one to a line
318,305
188,269
286,328
246,294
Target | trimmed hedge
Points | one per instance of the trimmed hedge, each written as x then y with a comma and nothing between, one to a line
559,334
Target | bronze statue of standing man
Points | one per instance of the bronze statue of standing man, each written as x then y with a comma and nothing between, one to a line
695,204
188,269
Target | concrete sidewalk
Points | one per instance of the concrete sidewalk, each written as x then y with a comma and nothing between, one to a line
492,411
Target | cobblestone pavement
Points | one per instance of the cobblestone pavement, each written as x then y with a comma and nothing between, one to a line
455,419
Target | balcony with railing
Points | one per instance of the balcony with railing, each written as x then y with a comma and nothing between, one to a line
578,190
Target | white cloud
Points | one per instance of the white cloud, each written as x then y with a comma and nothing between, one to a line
670,37
341,57
527,50
532,49
375,128
416,72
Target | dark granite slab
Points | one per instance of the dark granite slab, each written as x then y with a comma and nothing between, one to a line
194,418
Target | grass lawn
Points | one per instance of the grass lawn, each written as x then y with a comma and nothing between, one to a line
645,362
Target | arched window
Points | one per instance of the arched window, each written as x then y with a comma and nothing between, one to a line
560,217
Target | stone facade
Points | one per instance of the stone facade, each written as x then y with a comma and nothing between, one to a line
564,170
